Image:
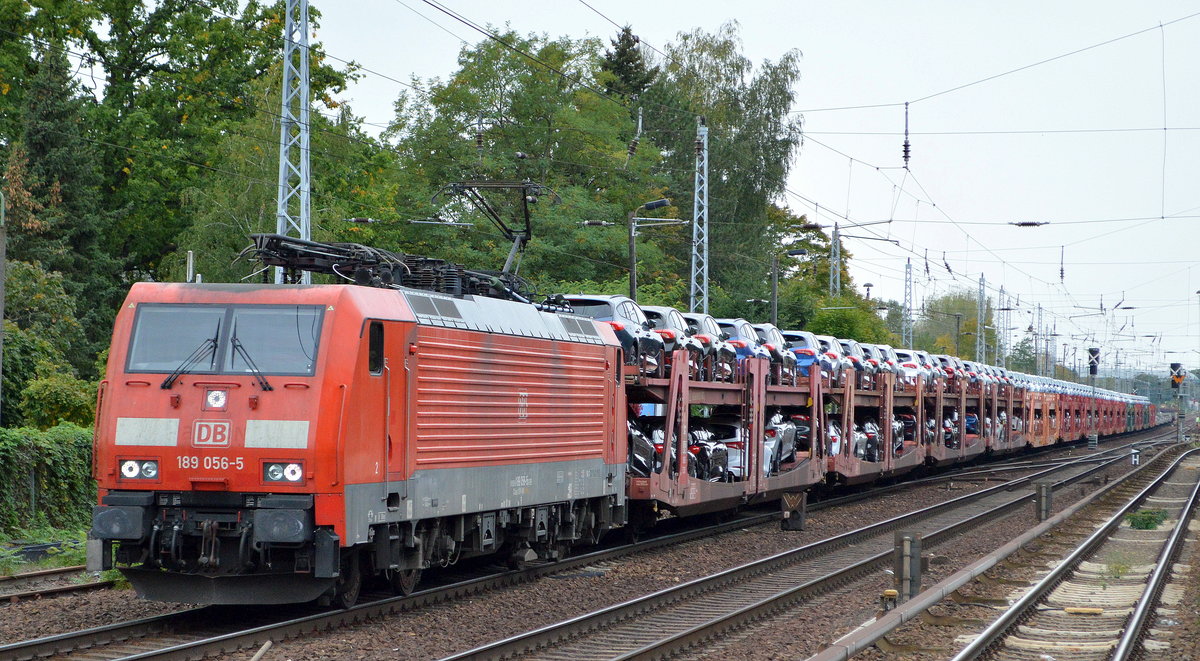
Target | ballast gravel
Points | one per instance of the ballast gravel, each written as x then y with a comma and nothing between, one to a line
446,629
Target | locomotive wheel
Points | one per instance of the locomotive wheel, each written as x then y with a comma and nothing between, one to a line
562,551
404,581
349,582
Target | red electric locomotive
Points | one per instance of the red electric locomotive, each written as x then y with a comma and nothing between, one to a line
277,443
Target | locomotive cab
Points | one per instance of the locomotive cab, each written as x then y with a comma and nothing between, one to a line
205,452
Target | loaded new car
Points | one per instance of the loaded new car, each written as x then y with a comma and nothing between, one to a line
807,350
772,340
643,347
706,329
741,334
673,328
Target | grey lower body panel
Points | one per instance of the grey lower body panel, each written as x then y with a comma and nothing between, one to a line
159,585
455,491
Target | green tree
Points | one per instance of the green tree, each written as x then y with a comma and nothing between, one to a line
948,324
752,138
859,322
628,73
40,332
1021,358
53,397
353,176
571,139
24,352
59,221
17,66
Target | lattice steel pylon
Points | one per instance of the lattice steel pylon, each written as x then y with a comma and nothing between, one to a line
980,312
1038,338
698,300
906,328
292,210
835,263
1001,329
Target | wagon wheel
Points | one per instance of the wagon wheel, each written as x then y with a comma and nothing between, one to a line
348,583
404,581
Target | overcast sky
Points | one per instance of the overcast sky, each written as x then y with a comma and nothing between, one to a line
1077,142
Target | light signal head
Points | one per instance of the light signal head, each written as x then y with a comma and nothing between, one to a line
1177,374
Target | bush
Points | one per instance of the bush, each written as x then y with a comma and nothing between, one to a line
47,477
1146,519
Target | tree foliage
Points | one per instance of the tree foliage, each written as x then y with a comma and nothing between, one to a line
172,146
629,71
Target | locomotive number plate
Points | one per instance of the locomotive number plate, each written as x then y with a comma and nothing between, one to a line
210,463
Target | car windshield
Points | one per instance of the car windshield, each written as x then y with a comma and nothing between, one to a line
795,341
675,320
598,310
656,320
279,339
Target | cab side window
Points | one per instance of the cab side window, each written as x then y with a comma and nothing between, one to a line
375,348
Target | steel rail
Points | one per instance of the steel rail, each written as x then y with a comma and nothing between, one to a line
197,649
866,635
1135,627
42,573
738,575
1010,617
62,643
772,604
56,590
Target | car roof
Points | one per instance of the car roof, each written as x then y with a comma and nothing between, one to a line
598,298
661,309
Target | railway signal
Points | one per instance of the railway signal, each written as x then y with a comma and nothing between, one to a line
1177,374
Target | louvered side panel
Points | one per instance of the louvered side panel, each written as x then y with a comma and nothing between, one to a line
486,399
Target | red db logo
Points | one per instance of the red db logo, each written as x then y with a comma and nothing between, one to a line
211,434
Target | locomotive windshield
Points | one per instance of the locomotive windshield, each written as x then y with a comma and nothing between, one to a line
280,339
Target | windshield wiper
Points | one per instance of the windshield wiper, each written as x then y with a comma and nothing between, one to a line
258,375
207,346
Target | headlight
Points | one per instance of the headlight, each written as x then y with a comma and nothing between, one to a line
279,472
133,469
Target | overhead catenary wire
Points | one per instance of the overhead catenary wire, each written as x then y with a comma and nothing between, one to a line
847,214
1009,72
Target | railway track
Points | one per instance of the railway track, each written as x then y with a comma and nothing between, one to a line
19,587
967,600
1084,609
199,632
679,618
